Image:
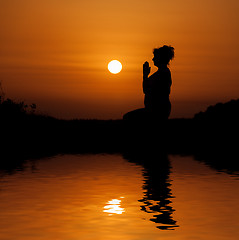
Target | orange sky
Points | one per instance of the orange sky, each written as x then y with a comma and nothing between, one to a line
55,53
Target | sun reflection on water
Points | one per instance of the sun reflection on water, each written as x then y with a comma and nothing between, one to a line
113,207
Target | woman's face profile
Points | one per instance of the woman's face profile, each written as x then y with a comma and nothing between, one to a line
156,60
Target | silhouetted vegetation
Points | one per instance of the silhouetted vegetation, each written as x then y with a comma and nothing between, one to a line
228,111
10,109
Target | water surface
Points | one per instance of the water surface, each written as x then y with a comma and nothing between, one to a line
107,196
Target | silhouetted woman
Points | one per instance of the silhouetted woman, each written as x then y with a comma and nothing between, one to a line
156,88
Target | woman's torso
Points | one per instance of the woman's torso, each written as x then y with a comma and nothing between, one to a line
158,89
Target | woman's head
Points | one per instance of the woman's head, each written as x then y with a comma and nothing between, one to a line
163,55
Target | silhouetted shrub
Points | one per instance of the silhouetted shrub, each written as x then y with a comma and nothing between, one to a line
11,106
228,111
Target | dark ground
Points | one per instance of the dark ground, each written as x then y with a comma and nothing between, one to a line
35,138
211,137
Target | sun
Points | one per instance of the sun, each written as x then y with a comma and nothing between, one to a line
115,66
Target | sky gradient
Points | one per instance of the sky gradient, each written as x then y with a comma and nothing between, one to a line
55,53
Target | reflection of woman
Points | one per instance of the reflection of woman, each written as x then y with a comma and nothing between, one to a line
156,87
157,184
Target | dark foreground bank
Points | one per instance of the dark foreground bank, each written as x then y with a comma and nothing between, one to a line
205,136
39,134
39,137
